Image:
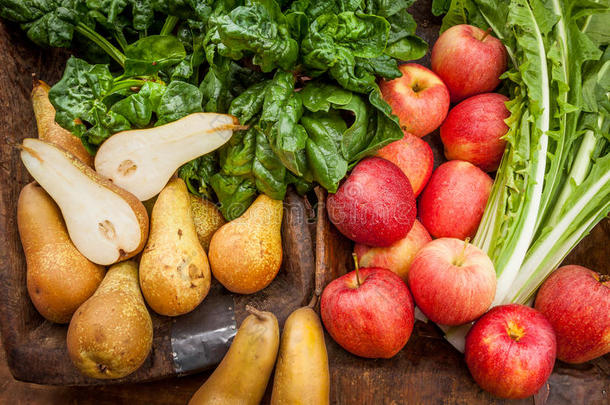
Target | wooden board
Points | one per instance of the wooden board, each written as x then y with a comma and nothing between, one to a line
427,371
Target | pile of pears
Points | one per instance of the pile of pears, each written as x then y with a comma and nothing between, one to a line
75,221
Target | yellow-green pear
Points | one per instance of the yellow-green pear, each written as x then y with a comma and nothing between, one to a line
301,372
110,335
243,374
207,219
174,270
246,253
59,277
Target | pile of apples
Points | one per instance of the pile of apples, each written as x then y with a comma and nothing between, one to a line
511,349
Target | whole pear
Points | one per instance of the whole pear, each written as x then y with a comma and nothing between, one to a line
174,270
207,219
110,335
243,374
59,277
246,253
301,372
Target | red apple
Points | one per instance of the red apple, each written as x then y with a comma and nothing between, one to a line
368,312
414,157
398,256
375,205
469,60
474,129
452,281
576,301
419,98
453,202
510,351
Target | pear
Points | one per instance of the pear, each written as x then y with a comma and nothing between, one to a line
110,335
207,219
106,223
51,131
174,270
59,277
142,161
301,372
246,253
243,374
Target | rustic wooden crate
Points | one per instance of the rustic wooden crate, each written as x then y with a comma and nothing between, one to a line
427,371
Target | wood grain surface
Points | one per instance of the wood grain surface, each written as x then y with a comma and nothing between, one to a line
427,371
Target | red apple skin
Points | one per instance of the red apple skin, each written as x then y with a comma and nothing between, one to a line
576,301
398,256
511,367
414,157
373,320
452,282
375,205
474,129
419,98
469,61
453,202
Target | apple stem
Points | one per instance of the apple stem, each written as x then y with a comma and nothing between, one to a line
357,269
460,259
487,32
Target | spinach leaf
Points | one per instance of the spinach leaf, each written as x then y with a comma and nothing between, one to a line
319,96
323,148
179,100
268,170
383,66
237,155
235,194
440,7
249,103
335,41
256,30
152,54
282,110
197,174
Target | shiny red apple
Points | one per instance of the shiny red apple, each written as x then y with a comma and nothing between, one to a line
369,312
419,98
510,351
452,281
469,60
414,157
576,301
375,205
474,130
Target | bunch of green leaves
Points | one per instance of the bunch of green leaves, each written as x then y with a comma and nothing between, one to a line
553,184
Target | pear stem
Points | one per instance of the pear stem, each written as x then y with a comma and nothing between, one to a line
460,259
259,314
358,281
487,33
313,301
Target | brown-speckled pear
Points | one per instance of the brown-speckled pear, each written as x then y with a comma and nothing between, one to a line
246,253
301,372
106,223
174,270
51,131
59,277
207,219
110,335
242,376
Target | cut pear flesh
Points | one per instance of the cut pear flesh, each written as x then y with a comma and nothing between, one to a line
143,160
101,223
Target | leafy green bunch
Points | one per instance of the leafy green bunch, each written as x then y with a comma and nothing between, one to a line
301,74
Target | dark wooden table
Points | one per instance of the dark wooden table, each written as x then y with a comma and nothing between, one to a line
426,371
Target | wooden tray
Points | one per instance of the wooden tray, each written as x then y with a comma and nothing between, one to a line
427,371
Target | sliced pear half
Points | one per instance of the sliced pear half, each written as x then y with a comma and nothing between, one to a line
106,224
143,160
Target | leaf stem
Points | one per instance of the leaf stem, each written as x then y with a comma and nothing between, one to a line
169,25
102,42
